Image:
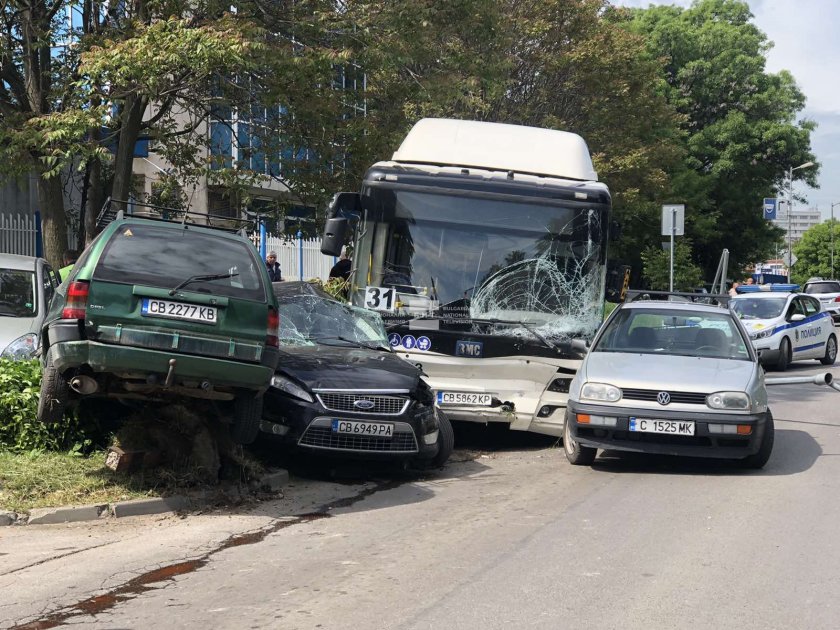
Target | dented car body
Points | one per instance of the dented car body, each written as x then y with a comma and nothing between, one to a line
340,391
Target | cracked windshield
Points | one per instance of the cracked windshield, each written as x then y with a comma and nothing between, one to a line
465,258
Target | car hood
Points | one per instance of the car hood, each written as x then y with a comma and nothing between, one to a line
754,325
13,327
672,373
328,367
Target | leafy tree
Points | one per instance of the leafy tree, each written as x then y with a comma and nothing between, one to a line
813,252
657,267
738,122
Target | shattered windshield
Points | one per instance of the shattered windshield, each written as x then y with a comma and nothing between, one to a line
17,293
307,320
493,259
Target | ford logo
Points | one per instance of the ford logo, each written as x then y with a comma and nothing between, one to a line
663,398
364,404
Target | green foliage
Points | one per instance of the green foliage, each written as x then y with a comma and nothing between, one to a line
656,261
20,383
739,125
813,252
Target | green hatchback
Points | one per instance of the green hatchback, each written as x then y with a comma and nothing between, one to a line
157,311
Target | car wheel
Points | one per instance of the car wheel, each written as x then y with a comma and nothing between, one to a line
576,453
446,444
55,393
247,413
758,459
830,351
783,361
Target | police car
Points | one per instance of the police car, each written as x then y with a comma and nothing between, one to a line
785,325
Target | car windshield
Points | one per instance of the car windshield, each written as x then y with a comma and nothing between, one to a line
758,308
164,257
307,320
17,293
816,288
671,332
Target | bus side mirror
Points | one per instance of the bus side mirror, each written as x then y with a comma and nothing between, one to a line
344,204
615,230
335,235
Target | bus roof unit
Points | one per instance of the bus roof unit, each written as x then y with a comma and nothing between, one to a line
498,147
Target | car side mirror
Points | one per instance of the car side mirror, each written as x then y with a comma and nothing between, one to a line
335,235
797,317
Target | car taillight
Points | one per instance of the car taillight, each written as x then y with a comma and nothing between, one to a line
76,303
272,329
837,299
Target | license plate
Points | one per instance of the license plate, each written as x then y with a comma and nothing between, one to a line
178,310
671,427
464,398
376,429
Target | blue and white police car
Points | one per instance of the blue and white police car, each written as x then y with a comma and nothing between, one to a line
785,325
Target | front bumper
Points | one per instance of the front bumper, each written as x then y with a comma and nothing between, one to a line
308,426
701,444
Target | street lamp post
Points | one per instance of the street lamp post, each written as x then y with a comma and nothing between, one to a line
789,208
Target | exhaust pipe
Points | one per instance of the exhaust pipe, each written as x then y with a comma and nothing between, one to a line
825,378
84,385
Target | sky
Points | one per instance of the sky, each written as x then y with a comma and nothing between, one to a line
806,42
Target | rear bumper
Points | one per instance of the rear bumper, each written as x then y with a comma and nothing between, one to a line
115,359
702,444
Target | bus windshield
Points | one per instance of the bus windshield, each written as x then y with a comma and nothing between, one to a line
490,259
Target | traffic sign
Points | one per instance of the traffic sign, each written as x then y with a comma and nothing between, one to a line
790,259
770,208
675,212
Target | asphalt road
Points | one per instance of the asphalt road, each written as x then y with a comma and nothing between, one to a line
514,538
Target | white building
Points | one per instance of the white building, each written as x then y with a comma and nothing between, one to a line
800,221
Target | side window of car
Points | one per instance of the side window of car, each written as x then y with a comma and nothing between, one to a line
812,305
794,308
49,284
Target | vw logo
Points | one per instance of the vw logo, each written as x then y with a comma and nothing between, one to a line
663,398
364,404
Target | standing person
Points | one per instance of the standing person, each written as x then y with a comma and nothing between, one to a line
341,269
733,291
273,267
750,280
70,257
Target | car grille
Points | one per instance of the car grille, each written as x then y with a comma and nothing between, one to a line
403,440
689,398
382,405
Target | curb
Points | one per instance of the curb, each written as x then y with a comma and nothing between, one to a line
273,482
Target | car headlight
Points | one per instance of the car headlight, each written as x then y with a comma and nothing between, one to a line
600,391
22,348
291,388
762,334
728,400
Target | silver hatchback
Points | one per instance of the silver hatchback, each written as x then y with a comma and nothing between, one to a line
678,378
27,285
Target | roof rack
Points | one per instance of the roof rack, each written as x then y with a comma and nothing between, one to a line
111,211
638,295
759,288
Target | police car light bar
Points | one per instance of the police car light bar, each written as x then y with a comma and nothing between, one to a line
777,288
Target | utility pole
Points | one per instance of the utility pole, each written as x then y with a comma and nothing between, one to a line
831,224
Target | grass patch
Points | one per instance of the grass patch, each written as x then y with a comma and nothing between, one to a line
44,479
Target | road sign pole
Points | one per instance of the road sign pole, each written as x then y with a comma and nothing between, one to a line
673,231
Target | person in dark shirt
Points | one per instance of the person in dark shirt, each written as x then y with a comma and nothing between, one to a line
341,269
273,267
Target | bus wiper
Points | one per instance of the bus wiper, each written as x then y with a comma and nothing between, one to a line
200,278
529,327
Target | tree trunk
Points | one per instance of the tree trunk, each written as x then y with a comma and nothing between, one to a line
131,120
53,220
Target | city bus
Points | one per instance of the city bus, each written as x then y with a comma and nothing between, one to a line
483,246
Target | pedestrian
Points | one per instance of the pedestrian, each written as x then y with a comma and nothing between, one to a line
273,267
734,290
341,269
750,280
70,257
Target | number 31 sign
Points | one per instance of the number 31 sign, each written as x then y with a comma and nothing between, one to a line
381,298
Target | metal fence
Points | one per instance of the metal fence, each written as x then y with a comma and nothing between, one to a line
300,258
21,234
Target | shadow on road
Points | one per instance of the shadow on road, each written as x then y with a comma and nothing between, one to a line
498,437
793,452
